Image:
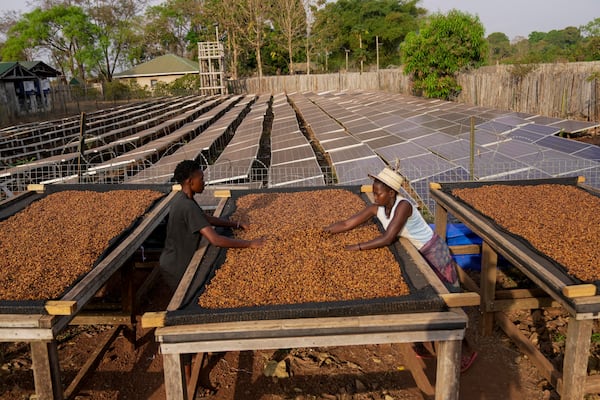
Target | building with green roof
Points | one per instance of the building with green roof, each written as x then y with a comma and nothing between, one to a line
164,69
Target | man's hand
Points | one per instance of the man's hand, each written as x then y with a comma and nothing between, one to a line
256,243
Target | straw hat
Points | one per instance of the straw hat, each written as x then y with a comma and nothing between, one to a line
390,178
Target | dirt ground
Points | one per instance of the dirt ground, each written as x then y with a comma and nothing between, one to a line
355,372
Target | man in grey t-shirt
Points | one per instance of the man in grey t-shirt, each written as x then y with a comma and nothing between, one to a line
188,222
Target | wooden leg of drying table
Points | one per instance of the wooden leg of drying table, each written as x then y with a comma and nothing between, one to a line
128,300
46,370
448,370
175,385
441,221
416,367
489,262
576,359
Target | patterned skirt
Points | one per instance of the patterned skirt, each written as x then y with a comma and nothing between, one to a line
437,254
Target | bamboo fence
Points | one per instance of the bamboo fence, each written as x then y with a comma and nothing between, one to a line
564,90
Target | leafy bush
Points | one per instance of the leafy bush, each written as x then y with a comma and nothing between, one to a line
444,45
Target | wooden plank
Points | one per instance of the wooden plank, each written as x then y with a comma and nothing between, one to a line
46,370
154,319
583,290
461,299
35,187
25,334
465,249
222,193
19,320
174,377
447,381
416,366
489,261
441,221
128,300
315,326
523,304
587,300
194,264
577,349
466,281
545,367
592,384
238,344
195,375
61,307
434,186
106,318
86,288
148,283
589,188
520,293
91,362
188,276
366,189
15,199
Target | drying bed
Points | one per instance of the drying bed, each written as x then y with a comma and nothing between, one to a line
403,288
299,262
50,240
561,221
533,258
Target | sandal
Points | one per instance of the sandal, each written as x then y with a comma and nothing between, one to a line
467,361
422,352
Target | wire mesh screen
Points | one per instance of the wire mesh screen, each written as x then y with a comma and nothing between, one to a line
418,177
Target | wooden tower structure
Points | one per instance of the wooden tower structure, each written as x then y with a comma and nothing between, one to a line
211,57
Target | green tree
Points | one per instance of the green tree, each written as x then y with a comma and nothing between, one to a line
64,31
228,15
499,47
591,29
176,26
536,36
254,15
444,45
353,25
289,18
591,42
115,22
7,20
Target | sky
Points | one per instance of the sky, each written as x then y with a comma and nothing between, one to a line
512,17
521,17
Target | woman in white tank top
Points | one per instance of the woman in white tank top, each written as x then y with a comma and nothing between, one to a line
400,219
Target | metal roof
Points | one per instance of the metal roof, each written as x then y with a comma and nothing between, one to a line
169,64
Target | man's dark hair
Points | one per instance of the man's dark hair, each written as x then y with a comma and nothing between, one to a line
185,169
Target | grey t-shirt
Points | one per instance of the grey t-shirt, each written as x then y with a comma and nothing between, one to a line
186,219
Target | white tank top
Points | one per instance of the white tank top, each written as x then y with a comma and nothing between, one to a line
415,229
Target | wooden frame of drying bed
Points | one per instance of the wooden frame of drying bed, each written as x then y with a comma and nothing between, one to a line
447,328
41,329
580,300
